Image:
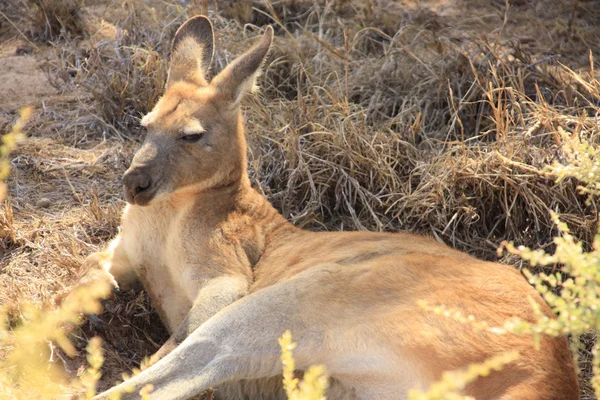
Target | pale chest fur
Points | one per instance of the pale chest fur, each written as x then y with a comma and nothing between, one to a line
154,249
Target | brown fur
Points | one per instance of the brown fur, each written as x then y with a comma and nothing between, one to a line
229,274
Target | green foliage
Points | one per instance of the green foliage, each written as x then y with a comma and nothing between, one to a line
27,341
314,383
25,372
95,359
582,162
572,289
9,143
452,382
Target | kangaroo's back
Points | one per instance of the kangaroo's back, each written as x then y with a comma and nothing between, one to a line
353,300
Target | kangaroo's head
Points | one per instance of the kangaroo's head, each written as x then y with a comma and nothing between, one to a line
195,134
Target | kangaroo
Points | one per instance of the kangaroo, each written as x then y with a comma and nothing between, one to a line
228,274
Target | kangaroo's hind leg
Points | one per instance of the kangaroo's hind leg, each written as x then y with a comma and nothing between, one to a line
240,342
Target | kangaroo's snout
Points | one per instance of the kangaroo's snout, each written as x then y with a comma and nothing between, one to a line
137,186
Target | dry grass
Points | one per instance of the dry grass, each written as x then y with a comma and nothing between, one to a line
372,115
46,20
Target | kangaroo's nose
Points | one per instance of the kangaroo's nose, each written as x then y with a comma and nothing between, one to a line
135,183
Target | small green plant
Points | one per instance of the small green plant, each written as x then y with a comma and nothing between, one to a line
29,344
28,336
9,143
572,290
315,382
452,382
95,359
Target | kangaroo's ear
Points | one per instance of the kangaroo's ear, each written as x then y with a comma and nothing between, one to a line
192,52
239,77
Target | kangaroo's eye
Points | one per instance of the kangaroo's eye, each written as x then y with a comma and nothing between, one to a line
191,138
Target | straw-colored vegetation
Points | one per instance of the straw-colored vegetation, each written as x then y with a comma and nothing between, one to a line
314,382
452,382
472,121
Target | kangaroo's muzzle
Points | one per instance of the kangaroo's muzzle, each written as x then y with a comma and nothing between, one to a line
138,187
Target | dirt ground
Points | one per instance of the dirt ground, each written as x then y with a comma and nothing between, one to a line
394,78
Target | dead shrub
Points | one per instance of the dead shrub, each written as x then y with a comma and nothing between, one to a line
46,20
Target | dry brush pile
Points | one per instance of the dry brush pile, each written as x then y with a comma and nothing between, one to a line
371,115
